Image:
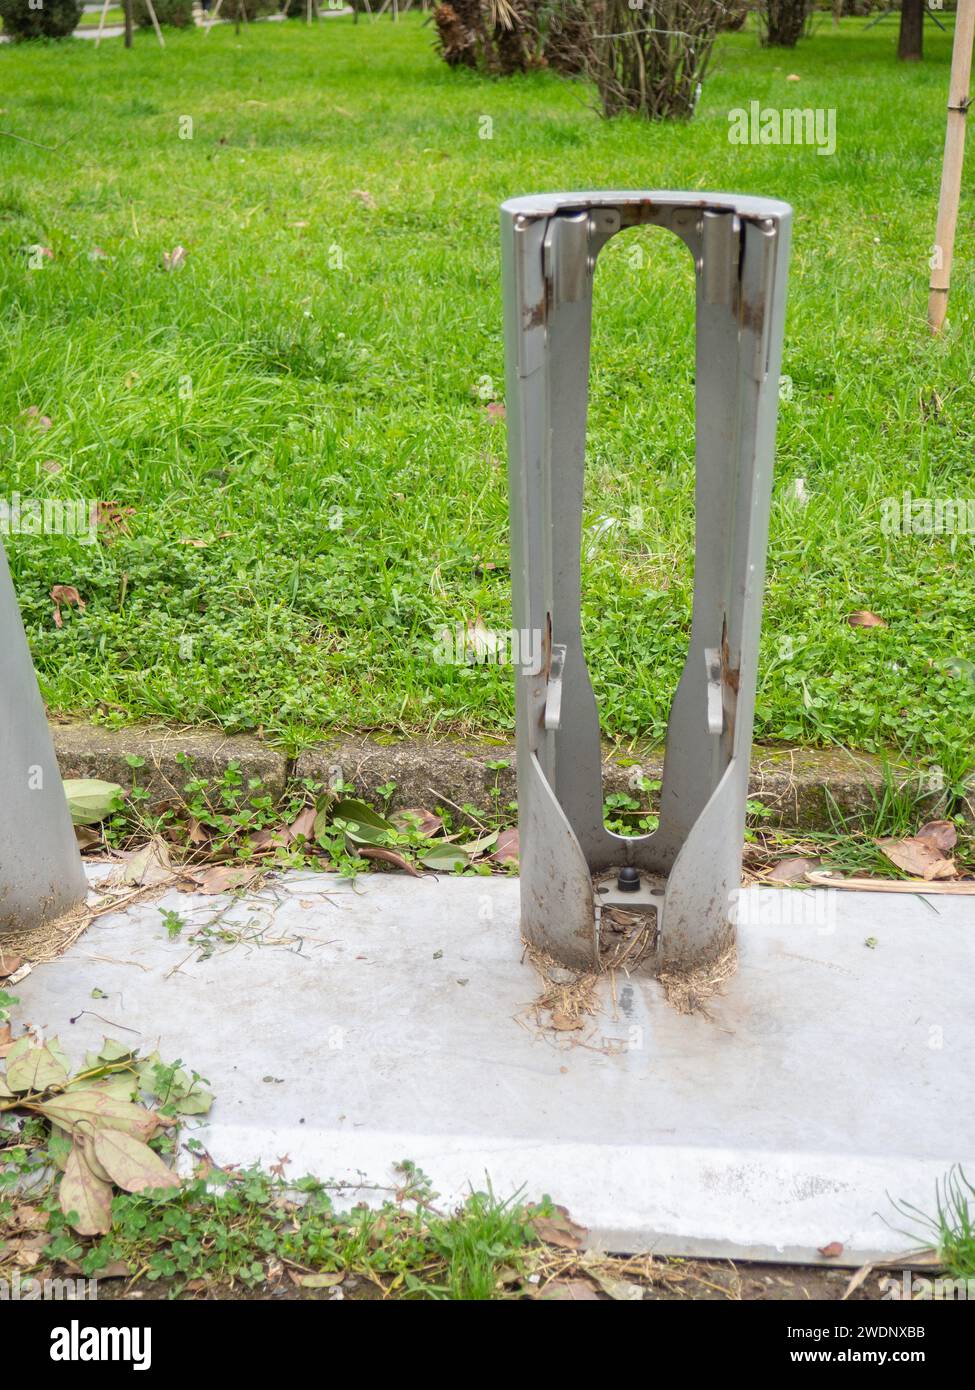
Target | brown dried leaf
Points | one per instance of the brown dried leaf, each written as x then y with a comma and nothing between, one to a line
559,1230
389,856
303,824
864,618
221,878
26,1253
8,964
81,1192
831,1251
69,596
87,837
939,833
417,818
789,870
568,1291
27,1218
90,1106
132,1165
918,857
622,1290
508,850
172,260
35,1069
141,868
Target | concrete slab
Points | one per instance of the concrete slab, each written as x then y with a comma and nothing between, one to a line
358,1026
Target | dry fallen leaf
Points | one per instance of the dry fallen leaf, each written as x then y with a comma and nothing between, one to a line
87,837
568,1291
621,1290
417,818
222,878
69,596
389,856
507,848
172,260
303,824
559,1230
864,618
939,833
789,870
9,964
141,868
27,1252
364,197
831,1251
918,857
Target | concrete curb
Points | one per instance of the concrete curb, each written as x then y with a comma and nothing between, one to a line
794,784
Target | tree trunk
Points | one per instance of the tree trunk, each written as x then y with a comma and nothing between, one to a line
911,41
784,21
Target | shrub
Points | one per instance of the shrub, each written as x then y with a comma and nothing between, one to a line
55,20
654,69
568,40
784,21
497,36
178,13
247,9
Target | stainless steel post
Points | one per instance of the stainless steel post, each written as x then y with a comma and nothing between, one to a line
689,868
41,876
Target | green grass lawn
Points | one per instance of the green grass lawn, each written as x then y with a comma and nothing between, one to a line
304,398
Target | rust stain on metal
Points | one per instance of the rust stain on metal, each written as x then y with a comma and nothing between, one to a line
535,317
547,647
753,315
729,675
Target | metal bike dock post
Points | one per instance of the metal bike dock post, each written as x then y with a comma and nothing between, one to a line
41,875
682,880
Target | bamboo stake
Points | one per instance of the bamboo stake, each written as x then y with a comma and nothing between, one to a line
958,99
211,19
155,24
101,22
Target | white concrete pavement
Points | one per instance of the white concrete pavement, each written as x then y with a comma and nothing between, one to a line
357,1026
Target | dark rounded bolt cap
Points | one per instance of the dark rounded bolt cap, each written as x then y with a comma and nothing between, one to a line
628,880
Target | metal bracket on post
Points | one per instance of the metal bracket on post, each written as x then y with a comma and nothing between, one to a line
686,873
41,875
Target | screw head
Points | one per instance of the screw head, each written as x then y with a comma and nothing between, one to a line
628,880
